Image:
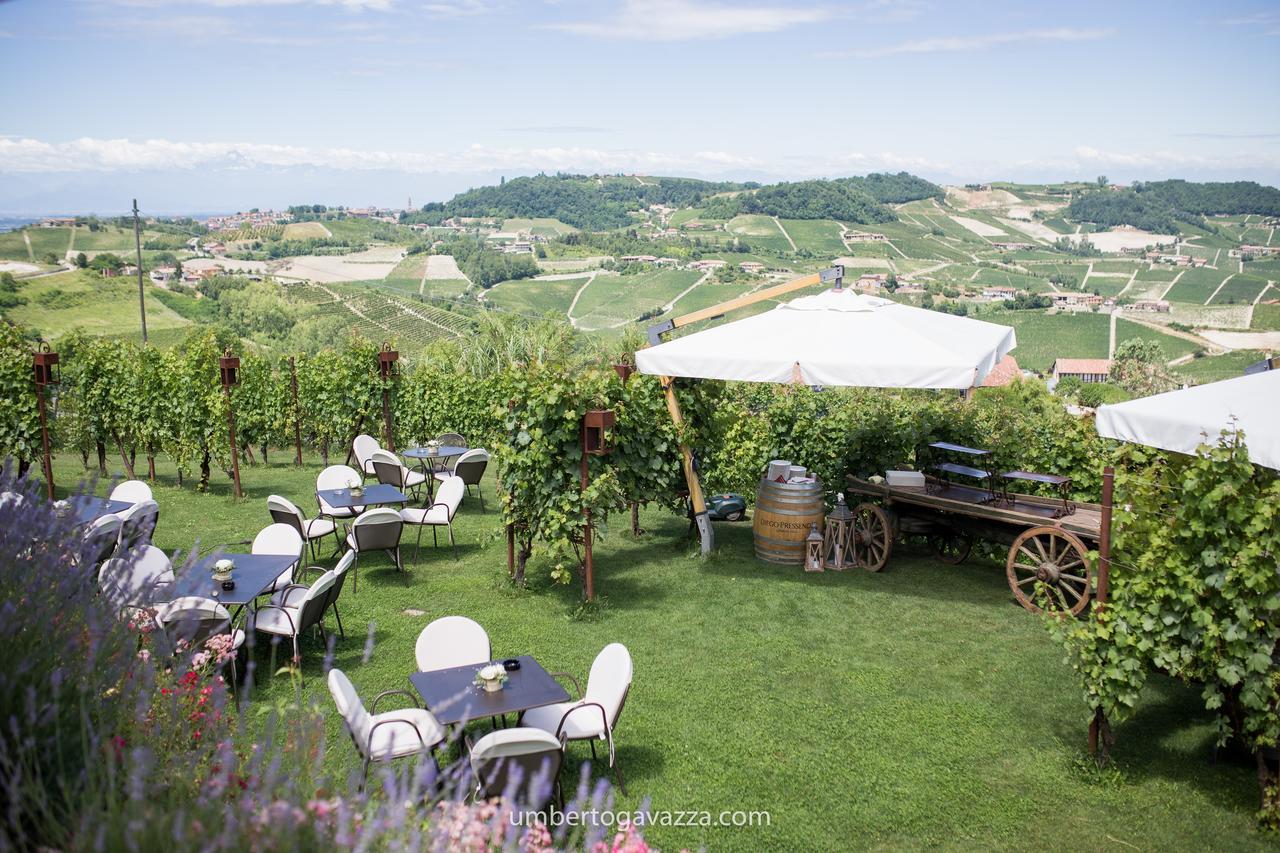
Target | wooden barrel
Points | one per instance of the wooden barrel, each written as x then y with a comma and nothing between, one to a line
783,515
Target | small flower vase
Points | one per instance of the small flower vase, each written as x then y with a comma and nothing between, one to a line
433,451
357,491
222,570
492,685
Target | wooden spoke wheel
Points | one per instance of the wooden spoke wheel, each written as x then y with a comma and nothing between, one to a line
951,546
872,536
1048,569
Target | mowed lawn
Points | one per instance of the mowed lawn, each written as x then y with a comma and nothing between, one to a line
614,299
1044,337
535,298
820,236
1211,368
56,304
913,708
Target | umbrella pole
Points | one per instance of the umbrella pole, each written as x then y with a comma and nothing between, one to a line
690,473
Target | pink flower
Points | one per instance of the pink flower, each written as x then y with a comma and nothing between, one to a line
144,655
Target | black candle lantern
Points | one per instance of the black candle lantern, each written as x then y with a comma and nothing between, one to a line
597,435
387,358
624,371
229,366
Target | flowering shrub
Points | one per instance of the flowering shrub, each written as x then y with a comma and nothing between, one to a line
113,740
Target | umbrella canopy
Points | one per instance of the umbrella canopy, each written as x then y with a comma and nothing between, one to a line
1183,420
839,338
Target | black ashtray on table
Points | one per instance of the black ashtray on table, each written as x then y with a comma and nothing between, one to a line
511,664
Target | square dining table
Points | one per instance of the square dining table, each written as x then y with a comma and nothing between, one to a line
86,508
253,574
379,494
452,698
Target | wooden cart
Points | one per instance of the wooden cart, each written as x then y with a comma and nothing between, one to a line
1048,564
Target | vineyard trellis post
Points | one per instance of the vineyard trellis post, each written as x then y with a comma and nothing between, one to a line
596,441
229,366
387,358
44,362
297,413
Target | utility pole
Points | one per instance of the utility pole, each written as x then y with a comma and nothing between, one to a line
137,242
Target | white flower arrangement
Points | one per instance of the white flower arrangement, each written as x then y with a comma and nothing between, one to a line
222,569
491,677
61,508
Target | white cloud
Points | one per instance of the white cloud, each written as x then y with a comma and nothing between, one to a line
380,5
458,8
684,20
958,44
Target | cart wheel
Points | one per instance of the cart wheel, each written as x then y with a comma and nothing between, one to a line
951,546
873,536
1048,568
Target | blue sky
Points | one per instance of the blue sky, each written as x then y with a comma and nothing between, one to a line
201,105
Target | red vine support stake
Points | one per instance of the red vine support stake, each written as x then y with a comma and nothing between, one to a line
44,362
387,358
297,413
596,441
1099,730
229,367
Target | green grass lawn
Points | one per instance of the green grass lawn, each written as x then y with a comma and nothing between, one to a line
820,236
1266,317
913,708
535,298
1211,368
615,299
1198,284
758,231
1242,289
541,227
1044,337
1172,346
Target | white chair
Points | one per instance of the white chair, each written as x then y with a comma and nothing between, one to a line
363,448
337,477
452,641
525,759
279,539
439,514
194,619
470,467
138,579
132,491
138,523
388,470
386,736
376,530
284,511
594,716
101,540
299,607
451,439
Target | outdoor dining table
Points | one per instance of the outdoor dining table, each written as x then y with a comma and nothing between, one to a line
379,494
86,508
431,462
253,575
452,697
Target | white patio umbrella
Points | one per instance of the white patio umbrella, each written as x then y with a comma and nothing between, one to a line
839,338
1183,420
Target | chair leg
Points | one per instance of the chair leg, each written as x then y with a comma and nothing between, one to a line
617,772
435,543
417,547
355,574
452,543
593,748
339,618
480,494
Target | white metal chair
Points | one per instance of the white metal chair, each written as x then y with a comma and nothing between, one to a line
594,716
470,467
284,511
363,448
298,607
376,530
386,736
452,641
132,491
451,439
337,477
525,759
137,579
194,619
101,540
439,514
138,523
388,470
279,539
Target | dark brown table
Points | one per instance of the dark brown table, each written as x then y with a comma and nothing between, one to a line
450,695
85,508
374,495
253,574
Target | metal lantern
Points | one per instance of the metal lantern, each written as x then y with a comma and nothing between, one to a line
837,545
597,436
46,366
229,366
813,549
624,372
387,358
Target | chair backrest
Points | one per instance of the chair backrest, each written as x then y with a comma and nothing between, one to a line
193,618
284,511
101,538
387,468
336,477
450,494
451,439
610,679
317,600
452,641
363,447
524,757
137,578
278,539
350,708
138,522
132,491
471,466
344,565
377,530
